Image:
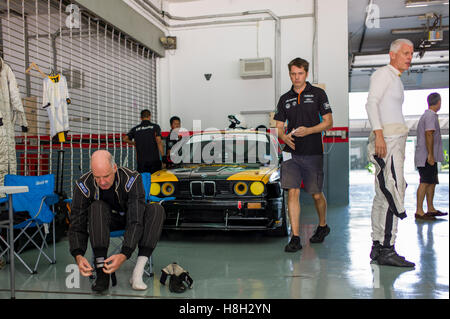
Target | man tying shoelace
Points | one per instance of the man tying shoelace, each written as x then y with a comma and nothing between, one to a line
106,199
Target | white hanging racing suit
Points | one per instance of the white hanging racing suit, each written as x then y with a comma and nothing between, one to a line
11,112
384,109
55,101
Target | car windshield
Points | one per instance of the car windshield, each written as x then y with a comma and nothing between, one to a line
228,148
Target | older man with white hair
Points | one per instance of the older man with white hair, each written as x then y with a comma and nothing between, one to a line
105,199
386,150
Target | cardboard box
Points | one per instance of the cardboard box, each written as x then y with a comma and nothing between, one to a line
30,108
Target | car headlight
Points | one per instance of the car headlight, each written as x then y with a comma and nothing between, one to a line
167,189
257,188
155,189
240,188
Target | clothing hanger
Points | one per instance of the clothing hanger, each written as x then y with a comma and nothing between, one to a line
52,73
35,66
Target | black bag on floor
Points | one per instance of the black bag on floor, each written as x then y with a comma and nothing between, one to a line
179,278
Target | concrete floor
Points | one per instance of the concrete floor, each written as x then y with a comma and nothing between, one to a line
235,265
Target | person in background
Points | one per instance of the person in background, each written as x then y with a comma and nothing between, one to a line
428,152
173,138
149,148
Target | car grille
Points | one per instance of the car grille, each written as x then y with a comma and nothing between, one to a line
216,189
209,188
224,187
183,190
196,189
203,188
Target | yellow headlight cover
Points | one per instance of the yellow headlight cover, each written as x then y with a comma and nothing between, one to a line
155,189
240,188
167,189
257,188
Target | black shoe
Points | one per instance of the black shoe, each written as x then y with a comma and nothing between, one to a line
293,245
437,213
376,248
389,257
101,282
427,216
320,234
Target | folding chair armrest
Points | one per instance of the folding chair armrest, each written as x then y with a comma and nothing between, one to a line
40,207
49,200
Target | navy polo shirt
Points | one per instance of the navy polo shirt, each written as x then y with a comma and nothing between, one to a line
145,135
304,109
172,140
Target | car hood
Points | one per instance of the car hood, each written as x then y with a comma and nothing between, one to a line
249,172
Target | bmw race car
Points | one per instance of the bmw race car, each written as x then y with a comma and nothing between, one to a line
228,180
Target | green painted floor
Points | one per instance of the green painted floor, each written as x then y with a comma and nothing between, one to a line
251,265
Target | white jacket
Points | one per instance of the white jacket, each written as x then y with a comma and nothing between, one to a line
56,94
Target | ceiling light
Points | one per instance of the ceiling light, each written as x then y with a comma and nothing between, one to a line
415,30
424,3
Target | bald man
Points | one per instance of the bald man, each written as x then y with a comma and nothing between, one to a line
106,199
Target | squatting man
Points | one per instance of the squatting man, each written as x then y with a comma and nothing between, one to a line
105,199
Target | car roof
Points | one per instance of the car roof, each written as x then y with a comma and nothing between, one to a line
234,131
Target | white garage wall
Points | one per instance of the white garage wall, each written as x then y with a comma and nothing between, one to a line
216,49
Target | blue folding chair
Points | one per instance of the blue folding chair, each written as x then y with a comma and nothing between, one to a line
38,202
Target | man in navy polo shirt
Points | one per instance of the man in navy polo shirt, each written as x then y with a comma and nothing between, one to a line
308,113
149,148
173,138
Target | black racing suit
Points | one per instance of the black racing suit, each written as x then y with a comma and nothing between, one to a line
94,213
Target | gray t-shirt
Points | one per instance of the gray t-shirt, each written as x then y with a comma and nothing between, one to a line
428,121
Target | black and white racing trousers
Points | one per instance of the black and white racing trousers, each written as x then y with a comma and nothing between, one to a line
102,221
390,186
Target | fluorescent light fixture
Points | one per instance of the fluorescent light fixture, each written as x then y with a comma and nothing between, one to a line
407,30
415,30
434,57
424,3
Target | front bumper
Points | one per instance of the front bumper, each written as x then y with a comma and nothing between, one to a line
223,214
